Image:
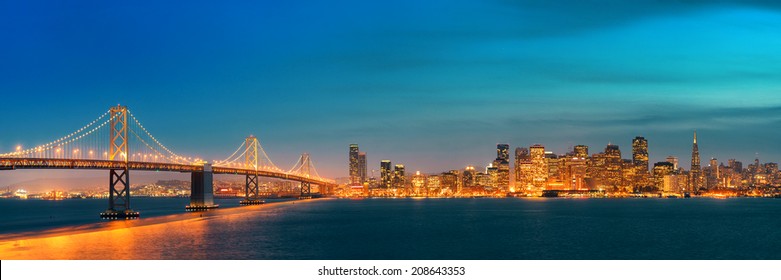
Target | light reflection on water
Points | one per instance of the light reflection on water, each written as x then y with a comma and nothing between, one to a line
432,229
179,236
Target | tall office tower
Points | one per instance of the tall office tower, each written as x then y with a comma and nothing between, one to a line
636,173
581,151
522,162
631,175
696,171
493,173
355,173
459,180
450,182
613,166
735,165
714,165
399,179
711,175
640,153
502,164
539,166
503,152
662,169
469,176
674,161
386,174
595,171
362,167
574,173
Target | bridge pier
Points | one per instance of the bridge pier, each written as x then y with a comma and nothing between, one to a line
251,191
306,190
119,196
202,190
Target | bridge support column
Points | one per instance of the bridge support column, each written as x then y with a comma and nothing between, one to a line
119,196
306,190
202,190
251,191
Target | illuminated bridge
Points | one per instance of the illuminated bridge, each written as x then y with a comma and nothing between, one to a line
117,142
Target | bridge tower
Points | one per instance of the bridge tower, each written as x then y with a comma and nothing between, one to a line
306,164
119,177
251,189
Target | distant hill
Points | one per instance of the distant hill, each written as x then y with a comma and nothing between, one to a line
86,182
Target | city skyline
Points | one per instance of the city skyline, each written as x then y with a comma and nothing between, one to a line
314,77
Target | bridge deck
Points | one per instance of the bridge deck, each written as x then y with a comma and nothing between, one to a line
94,164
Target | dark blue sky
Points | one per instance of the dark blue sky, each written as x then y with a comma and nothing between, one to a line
432,84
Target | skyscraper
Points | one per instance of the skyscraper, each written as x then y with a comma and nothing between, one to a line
502,164
613,166
355,174
662,169
640,153
539,166
362,167
399,178
674,161
636,173
386,174
503,152
696,171
522,167
493,173
469,177
581,151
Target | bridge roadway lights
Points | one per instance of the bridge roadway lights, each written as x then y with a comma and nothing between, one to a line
198,208
251,202
119,215
201,190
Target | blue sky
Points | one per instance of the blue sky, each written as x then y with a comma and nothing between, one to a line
431,84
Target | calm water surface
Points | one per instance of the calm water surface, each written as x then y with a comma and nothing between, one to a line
701,228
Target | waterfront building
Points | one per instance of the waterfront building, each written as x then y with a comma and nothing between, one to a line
433,185
418,184
673,183
483,179
469,177
450,182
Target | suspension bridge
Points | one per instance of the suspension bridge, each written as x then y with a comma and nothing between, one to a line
118,142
